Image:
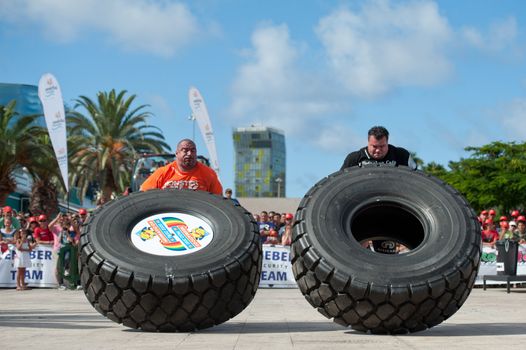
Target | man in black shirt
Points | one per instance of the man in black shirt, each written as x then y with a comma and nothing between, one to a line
379,153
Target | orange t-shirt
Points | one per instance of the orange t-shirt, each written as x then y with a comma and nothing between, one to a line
200,178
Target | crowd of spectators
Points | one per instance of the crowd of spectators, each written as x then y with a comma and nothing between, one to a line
21,232
511,227
275,228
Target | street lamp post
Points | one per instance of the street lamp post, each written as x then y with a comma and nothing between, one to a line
279,180
192,119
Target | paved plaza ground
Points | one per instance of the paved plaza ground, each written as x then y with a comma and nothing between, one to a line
276,319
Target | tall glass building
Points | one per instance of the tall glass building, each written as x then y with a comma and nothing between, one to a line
260,162
26,96
27,103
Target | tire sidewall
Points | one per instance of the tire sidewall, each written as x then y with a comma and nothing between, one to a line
448,224
109,231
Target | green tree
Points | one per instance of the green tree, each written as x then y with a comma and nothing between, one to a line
46,177
493,176
17,145
435,169
418,161
103,142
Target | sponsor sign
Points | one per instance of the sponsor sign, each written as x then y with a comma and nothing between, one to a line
490,266
40,274
171,234
276,270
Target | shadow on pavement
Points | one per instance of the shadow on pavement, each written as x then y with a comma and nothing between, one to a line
465,330
49,320
273,327
472,329
265,327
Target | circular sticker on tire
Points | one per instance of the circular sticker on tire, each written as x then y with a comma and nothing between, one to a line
171,234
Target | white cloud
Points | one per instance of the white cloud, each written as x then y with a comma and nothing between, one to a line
501,34
337,136
160,28
160,107
270,90
386,45
513,117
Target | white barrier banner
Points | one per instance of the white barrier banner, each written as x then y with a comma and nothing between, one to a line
488,263
276,270
40,274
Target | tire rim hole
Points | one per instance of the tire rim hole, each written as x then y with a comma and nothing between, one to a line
386,228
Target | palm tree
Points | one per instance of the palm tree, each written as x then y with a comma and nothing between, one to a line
418,161
17,145
46,178
103,142
435,169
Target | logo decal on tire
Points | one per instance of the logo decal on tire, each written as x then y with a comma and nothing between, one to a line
171,234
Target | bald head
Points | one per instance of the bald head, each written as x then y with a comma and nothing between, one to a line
185,141
186,155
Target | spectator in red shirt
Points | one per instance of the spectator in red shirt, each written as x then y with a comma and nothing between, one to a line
83,214
491,214
503,224
272,237
286,230
33,224
483,216
521,229
42,233
7,211
489,234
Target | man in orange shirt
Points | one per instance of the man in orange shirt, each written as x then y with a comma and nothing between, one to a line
185,172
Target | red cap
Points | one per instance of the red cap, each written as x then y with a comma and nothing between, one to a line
488,222
521,218
484,212
33,219
83,211
504,225
491,212
273,233
515,213
503,218
42,217
7,209
289,216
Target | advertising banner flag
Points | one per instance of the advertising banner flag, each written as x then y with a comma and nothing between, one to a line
53,105
200,113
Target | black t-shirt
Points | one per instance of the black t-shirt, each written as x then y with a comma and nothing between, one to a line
395,156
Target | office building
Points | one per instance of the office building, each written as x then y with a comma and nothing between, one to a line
26,97
259,162
27,103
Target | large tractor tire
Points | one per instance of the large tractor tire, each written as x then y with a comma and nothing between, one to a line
385,293
170,260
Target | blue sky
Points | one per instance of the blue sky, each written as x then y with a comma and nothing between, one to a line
440,75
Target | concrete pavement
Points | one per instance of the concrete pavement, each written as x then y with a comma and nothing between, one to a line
276,319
